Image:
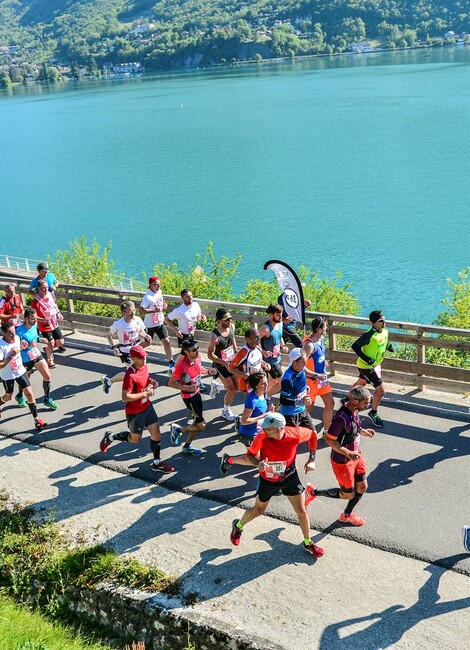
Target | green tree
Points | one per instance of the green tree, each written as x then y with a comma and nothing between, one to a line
5,80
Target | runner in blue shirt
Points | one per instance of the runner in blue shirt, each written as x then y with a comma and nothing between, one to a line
32,357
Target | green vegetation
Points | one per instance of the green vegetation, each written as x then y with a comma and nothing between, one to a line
209,277
21,629
84,34
37,566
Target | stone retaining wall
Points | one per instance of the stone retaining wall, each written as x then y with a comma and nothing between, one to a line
161,622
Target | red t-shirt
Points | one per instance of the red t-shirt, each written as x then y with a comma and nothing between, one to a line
10,306
136,381
189,374
281,454
46,308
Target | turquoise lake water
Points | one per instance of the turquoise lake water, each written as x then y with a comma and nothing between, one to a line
357,164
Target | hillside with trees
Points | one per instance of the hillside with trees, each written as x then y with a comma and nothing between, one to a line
92,35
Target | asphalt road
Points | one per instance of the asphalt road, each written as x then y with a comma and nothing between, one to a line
419,465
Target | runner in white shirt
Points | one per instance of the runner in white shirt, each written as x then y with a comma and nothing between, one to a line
153,306
129,330
187,315
12,370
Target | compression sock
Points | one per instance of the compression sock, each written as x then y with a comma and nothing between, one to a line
19,395
46,386
119,436
332,493
372,412
239,525
33,409
155,446
352,503
307,541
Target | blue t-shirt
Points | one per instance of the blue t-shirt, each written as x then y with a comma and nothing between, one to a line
293,391
50,279
31,353
258,406
272,343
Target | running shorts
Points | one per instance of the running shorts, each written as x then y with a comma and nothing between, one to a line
350,473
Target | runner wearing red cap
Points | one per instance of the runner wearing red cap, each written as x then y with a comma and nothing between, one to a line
152,308
137,388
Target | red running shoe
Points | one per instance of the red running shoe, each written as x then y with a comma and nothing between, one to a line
162,467
236,533
309,494
353,519
39,424
105,441
313,549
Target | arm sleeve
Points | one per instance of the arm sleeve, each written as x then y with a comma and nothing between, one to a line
307,435
360,343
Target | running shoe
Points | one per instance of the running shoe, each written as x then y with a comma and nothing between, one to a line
51,364
49,402
162,467
192,451
175,434
309,494
376,419
39,424
106,383
214,390
466,538
62,348
171,366
224,465
228,415
352,519
236,533
313,549
238,423
105,442
20,400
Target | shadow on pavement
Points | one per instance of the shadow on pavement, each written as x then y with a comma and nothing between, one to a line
388,626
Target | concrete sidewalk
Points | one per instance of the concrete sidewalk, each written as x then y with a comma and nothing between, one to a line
268,588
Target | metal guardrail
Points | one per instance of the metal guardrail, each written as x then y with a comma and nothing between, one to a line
417,373
29,266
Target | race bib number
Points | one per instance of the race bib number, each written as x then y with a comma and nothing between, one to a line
299,400
197,380
378,371
275,469
14,363
191,327
157,318
33,353
227,354
129,338
321,383
276,351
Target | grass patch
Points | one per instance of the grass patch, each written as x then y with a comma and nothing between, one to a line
21,629
37,566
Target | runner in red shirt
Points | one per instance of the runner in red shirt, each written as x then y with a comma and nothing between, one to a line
273,452
186,378
48,315
11,307
137,388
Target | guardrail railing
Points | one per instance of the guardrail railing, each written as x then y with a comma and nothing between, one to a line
418,373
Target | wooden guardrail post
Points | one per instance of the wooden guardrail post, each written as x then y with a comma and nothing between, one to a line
71,309
331,345
420,358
